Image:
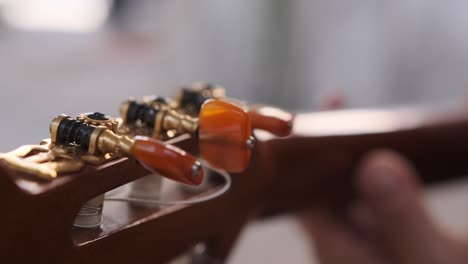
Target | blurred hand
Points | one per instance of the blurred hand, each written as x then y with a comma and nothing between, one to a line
388,223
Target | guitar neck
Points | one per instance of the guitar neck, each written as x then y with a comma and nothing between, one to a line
317,163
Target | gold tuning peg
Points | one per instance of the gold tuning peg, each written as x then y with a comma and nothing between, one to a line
89,134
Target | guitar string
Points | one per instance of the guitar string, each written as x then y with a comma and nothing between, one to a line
221,191
89,210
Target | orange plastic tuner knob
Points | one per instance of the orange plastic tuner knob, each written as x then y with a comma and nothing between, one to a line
268,118
168,160
225,135
271,119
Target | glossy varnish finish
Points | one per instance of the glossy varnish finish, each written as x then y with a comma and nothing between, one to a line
305,170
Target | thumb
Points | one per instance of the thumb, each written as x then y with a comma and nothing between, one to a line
388,186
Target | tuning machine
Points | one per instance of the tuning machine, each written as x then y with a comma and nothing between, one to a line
190,99
92,138
223,129
93,133
48,160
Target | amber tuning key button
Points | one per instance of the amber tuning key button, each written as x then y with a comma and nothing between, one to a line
271,119
225,135
167,160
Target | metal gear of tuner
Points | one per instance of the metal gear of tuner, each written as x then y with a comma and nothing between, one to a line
99,119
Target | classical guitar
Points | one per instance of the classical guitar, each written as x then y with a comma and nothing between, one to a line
53,193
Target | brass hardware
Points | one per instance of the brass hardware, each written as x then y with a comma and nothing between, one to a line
93,148
124,109
166,121
98,137
98,119
158,124
189,99
53,127
159,101
50,159
44,161
179,122
109,142
213,92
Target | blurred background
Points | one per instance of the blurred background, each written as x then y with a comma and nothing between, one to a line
73,56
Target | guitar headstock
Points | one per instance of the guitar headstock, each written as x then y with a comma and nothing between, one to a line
79,177
92,154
